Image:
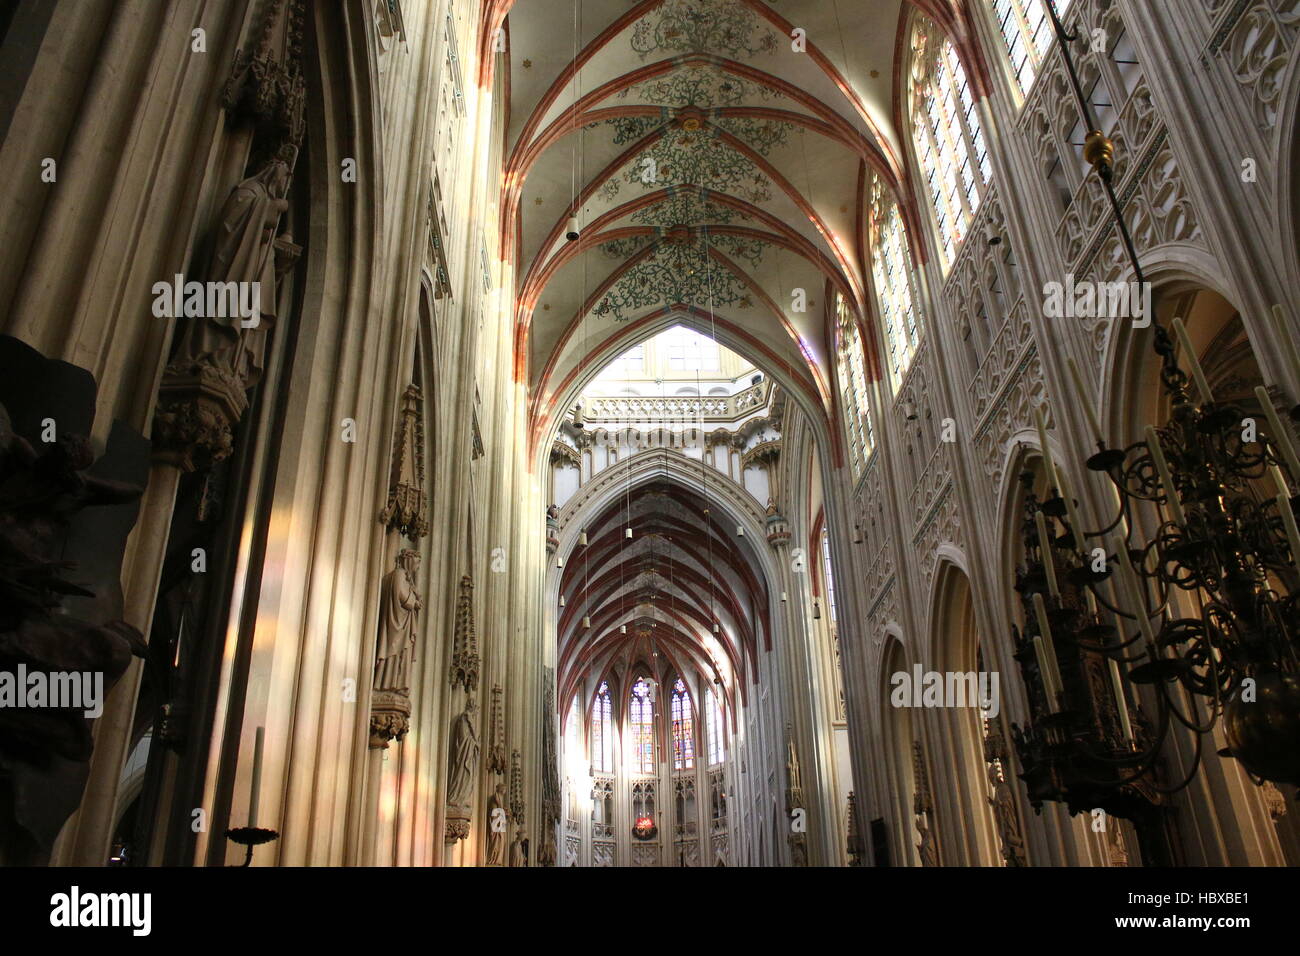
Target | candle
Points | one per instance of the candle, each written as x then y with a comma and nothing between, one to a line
1129,581
1086,399
1286,338
1045,546
1281,437
1288,522
1118,502
1045,673
1198,375
1166,479
1048,465
257,776
1049,647
1279,479
1075,524
1121,702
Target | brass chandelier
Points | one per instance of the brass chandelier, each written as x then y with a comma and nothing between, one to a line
1217,577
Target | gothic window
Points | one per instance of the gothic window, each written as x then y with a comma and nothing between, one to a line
947,135
641,727
602,732
852,374
690,351
713,728
894,278
683,728
573,732
828,583
1027,31
631,361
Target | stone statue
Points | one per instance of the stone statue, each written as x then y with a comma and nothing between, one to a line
464,755
1003,803
397,625
496,841
518,854
242,251
925,845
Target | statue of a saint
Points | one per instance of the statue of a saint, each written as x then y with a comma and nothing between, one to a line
242,251
464,755
1003,803
518,851
496,841
399,619
925,845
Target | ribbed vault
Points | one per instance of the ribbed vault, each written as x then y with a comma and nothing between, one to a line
660,592
712,167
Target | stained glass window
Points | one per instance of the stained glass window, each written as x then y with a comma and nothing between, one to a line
602,732
1027,31
853,386
713,727
947,135
895,278
683,728
641,725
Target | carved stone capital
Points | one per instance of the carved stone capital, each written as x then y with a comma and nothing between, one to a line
198,407
390,718
456,827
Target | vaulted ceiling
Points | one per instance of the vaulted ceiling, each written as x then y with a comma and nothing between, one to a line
651,601
713,169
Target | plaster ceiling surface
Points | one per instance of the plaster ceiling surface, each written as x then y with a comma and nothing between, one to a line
713,168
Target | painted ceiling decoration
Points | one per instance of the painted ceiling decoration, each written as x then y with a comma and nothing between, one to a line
718,171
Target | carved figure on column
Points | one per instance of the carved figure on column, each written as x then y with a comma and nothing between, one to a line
518,853
496,823
1003,802
398,625
216,358
243,252
923,808
464,755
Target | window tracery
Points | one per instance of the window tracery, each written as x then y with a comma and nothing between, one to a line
947,136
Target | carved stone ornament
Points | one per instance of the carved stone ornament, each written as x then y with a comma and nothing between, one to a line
464,654
390,718
517,787
197,409
407,508
496,759
266,86
456,826
794,793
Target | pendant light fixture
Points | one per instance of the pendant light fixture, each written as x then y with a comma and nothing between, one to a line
582,538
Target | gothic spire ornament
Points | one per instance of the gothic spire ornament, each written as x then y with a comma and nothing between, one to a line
464,655
496,761
407,508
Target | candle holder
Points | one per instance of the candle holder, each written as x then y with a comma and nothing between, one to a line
249,837
1224,549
